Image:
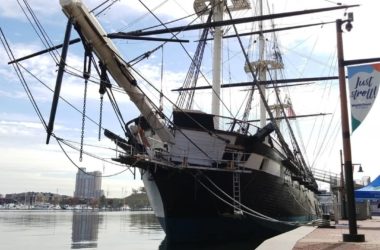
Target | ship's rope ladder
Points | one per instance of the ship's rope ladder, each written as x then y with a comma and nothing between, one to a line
236,192
236,185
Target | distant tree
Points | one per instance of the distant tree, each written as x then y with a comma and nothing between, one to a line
94,203
40,197
118,203
102,201
137,201
109,202
74,201
56,199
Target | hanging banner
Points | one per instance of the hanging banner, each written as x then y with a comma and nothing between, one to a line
363,83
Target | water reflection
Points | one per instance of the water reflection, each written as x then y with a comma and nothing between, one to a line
62,230
241,245
34,219
85,229
97,230
144,221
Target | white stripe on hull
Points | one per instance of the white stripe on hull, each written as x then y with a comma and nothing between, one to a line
154,195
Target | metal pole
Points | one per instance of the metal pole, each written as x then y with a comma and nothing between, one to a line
342,193
353,234
58,83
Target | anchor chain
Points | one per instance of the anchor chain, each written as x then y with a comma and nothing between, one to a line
100,117
104,84
83,122
86,76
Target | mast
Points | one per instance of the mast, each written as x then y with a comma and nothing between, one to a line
262,68
218,11
217,61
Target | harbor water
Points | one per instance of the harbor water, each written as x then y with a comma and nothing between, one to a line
31,229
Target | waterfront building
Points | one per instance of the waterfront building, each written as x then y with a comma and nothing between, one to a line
31,198
88,184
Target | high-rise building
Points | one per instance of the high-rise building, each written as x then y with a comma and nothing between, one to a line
88,184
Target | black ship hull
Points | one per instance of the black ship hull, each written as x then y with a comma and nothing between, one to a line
194,205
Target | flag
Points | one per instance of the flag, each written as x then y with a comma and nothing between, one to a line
363,83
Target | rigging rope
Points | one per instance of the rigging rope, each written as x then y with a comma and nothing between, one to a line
148,53
185,99
106,87
89,145
100,5
161,107
116,108
280,137
95,156
17,67
22,79
199,13
145,15
59,140
248,211
105,8
298,153
63,99
46,41
168,120
187,53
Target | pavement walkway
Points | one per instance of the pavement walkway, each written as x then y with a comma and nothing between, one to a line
285,240
313,238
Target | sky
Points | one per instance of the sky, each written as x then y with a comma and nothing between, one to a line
28,164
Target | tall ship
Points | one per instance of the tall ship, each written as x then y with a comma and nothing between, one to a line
208,175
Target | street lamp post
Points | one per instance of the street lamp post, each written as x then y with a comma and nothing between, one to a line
343,195
353,235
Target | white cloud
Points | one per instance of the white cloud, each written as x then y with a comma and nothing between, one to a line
28,164
11,9
15,95
165,10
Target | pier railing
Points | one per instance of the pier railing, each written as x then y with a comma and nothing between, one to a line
333,179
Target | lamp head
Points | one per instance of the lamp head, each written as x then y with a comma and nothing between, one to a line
349,26
360,169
